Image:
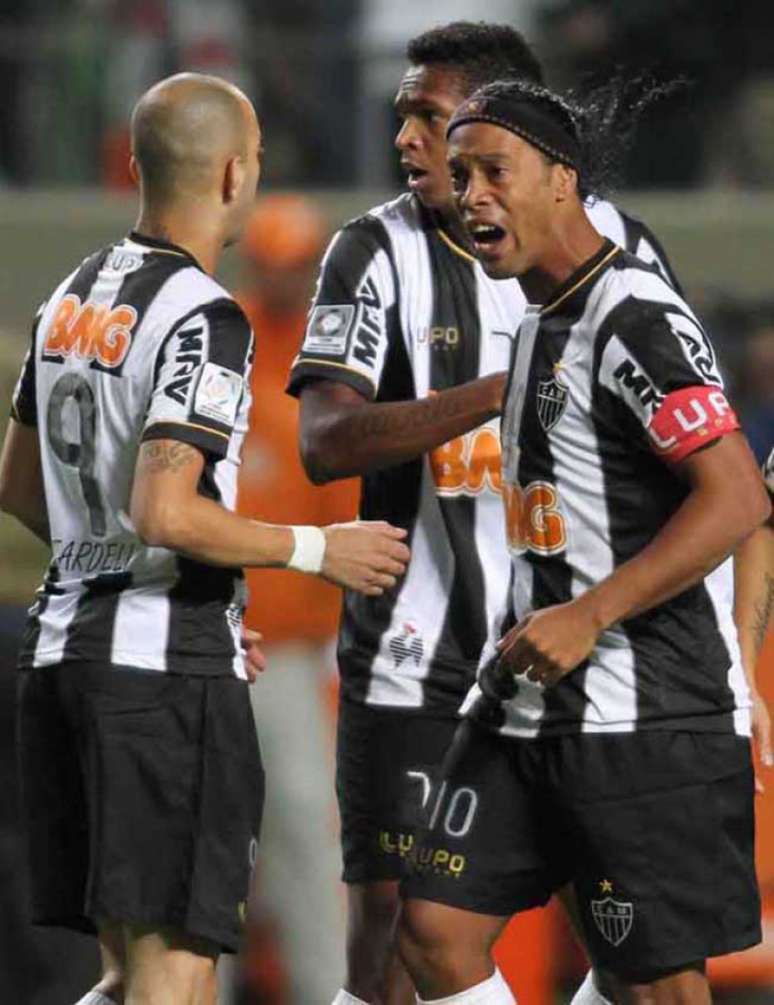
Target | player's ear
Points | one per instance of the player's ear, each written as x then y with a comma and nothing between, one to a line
565,182
233,179
134,170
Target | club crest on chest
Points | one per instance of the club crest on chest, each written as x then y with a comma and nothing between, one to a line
552,396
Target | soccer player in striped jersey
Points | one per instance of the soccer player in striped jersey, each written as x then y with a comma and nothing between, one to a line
622,764
753,608
400,378
141,773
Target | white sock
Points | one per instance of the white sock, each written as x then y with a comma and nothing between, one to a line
345,998
492,991
588,993
95,998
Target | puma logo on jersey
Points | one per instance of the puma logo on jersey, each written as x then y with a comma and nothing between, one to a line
469,464
90,331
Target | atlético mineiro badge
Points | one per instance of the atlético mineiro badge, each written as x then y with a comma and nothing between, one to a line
613,918
551,401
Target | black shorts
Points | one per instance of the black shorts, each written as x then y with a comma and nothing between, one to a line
654,829
384,760
142,796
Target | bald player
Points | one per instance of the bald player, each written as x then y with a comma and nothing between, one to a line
140,769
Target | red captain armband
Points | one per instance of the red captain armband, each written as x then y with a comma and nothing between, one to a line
690,418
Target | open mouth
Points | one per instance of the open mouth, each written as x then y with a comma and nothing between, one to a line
486,235
414,174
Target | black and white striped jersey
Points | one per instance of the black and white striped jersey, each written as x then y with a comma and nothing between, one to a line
613,383
402,311
139,343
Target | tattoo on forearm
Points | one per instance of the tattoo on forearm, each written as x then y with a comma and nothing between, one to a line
405,418
762,610
159,457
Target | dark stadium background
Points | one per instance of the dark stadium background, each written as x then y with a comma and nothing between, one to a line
322,75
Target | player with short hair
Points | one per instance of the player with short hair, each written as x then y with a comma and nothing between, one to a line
622,765
400,378
140,768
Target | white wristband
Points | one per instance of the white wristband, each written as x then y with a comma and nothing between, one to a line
309,549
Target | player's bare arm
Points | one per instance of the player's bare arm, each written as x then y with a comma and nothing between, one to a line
726,502
754,591
21,479
168,511
343,434
753,609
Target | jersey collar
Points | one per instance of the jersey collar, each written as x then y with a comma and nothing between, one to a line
432,222
571,295
165,247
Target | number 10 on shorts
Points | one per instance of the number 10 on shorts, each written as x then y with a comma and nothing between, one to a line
454,809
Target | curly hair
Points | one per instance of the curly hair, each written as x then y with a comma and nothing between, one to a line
603,120
481,52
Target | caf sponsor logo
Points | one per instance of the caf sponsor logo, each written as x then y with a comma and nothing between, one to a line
552,395
407,645
327,333
612,917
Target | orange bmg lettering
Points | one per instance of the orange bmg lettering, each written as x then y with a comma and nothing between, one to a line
91,331
533,519
468,464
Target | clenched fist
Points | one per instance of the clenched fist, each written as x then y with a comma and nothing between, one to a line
551,642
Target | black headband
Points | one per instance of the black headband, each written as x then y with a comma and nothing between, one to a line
525,118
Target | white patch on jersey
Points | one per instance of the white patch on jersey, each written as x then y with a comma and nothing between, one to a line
218,393
141,626
328,329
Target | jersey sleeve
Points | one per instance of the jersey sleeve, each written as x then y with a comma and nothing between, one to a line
24,407
659,362
200,377
354,315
